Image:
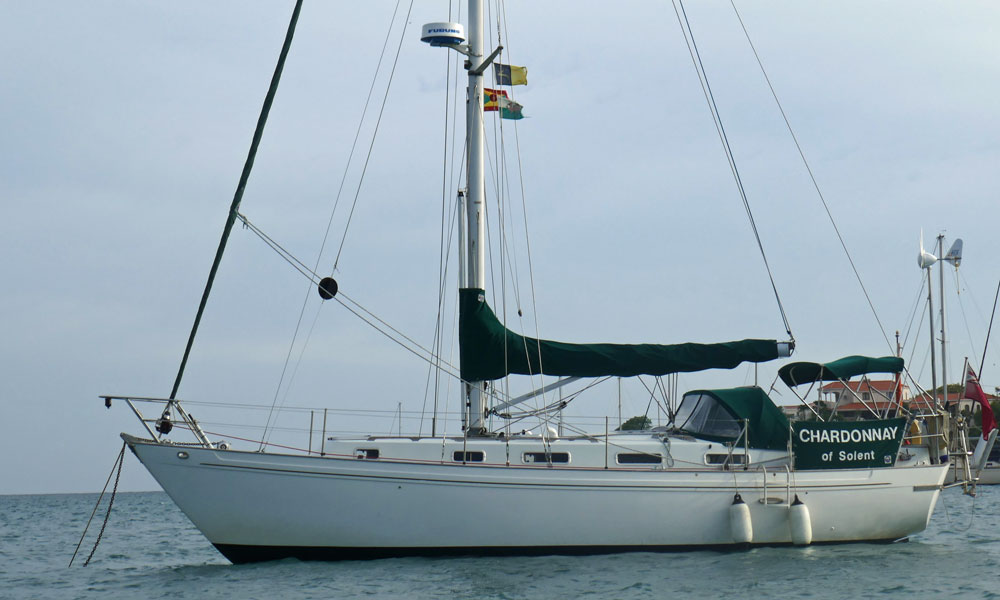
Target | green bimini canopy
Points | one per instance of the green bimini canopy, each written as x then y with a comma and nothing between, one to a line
489,351
767,426
806,372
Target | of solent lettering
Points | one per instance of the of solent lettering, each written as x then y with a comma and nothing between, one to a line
851,445
847,436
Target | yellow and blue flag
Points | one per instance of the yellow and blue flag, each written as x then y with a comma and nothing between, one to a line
510,74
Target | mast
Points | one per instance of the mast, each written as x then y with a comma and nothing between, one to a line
930,312
926,260
476,195
473,251
944,361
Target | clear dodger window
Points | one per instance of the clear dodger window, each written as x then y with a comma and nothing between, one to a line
703,414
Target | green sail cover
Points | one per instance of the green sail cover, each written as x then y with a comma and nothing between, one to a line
489,351
767,426
806,372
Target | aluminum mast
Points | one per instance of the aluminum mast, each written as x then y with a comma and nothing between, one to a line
476,197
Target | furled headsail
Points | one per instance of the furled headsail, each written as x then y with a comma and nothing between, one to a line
798,373
491,351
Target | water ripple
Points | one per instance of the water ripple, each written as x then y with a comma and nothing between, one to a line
151,550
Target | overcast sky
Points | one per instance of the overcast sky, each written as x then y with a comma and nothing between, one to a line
125,127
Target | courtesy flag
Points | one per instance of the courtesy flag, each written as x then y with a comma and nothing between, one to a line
510,74
510,109
491,99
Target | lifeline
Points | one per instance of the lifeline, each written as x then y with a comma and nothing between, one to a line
842,436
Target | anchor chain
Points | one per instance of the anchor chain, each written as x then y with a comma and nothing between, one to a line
118,465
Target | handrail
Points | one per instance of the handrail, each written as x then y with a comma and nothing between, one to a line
171,403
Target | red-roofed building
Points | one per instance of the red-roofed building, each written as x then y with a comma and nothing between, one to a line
859,399
965,405
851,400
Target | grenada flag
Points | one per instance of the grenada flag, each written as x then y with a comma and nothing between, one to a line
491,99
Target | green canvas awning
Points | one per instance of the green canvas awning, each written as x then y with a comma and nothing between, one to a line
489,351
807,372
767,426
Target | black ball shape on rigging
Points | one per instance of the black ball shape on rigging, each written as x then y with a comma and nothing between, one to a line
327,288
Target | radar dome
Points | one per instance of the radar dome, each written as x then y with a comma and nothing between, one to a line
443,34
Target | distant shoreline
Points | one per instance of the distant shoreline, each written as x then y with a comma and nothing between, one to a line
21,494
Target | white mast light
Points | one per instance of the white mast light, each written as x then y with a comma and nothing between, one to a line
443,34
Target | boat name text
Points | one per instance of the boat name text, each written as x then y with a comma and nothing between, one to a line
845,436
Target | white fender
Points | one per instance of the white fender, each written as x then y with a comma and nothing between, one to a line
982,453
800,523
740,525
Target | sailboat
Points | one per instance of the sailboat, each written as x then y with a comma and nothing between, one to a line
729,471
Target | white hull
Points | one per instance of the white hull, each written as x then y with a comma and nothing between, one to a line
989,476
256,506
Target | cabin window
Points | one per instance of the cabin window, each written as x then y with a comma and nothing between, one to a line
721,459
639,459
703,414
545,457
366,453
866,396
470,456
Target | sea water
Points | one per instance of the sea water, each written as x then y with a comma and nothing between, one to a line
150,550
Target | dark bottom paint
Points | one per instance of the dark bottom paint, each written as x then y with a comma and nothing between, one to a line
247,554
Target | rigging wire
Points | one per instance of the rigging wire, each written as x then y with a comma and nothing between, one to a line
448,223
371,146
983,317
979,310
927,350
353,306
442,261
720,128
989,329
326,234
968,331
524,213
812,177
652,396
913,313
454,191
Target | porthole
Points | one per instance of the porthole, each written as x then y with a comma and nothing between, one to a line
545,457
470,456
639,459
